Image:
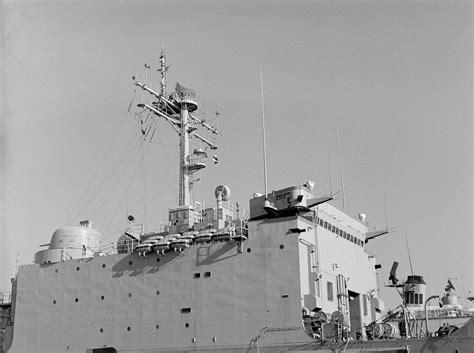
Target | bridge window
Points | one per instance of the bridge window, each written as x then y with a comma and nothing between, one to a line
330,291
410,299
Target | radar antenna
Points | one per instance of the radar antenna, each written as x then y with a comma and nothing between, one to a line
450,285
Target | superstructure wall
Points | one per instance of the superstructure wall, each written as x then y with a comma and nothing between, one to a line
211,296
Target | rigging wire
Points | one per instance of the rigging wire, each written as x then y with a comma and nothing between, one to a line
94,194
111,225
102,161
165,188
96,197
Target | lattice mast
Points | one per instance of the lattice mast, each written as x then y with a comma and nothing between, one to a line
178,108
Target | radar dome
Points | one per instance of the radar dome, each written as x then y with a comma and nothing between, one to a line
362,217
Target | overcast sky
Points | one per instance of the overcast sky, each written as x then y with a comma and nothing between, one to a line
393,77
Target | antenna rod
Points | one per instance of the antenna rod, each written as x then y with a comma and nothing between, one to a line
163,70
409,255
342,172
263,134
329,170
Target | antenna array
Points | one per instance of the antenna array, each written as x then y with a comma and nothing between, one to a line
177,109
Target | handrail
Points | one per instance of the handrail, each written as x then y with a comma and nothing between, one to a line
426,313
5,297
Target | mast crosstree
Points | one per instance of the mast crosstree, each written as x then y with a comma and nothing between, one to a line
178,108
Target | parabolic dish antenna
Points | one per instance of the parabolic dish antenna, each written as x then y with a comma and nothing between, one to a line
224,191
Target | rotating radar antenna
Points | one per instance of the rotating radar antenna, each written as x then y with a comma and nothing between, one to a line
222,191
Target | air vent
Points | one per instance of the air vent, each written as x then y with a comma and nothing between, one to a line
185,310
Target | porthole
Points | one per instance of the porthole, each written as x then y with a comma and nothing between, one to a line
76,300
249,250
102,297
129,295
129,328
103,265
130,263
158,259
186,325
282,246
157,326
157,292
101,330
77,268
56,271
54,301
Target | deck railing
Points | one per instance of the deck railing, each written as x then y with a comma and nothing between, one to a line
5,297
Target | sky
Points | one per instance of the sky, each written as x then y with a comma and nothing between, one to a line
394,78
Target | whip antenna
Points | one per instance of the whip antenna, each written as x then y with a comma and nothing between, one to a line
342,172
263,135
409,255
329,171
